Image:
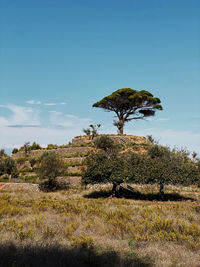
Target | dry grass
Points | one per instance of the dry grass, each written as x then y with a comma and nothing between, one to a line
134,231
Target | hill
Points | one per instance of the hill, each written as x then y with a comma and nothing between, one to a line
73,155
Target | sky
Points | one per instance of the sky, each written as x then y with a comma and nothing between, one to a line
58,57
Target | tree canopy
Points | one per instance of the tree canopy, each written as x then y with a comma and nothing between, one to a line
50,167
129,104
106,165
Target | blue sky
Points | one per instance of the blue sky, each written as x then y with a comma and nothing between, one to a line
59,57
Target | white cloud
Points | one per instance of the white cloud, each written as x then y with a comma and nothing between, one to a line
25,124
70,116
155,119
63,103
3,121
33,102
50,104
56,112
20,116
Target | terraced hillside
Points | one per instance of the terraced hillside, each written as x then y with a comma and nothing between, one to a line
73,156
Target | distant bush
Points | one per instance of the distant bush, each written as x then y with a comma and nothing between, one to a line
21,160
15,150
35,146
52,146
32,162
103,142
92,131
7,166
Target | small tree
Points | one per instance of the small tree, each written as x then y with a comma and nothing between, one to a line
129,104
9,166
107,165
15,150
50,167
27,148
92,131
32,162
35,146
2,153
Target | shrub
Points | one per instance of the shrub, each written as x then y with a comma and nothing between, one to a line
50,167
15,150
35,146
32,162
106,166
92,131
103,142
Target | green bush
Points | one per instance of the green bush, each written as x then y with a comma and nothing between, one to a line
50,167
103,142
15,150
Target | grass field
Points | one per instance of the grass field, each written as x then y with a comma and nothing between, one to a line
85,227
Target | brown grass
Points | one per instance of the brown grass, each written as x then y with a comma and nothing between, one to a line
137,232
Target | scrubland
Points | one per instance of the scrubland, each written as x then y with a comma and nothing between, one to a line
85,227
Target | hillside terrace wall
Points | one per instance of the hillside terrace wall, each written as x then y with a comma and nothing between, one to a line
60,151
122,139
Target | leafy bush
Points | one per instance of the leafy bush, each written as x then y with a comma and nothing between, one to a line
21,160
50,167
106,166
52,146
7,166
103,142
92,131
162,166
35,146
32,162
15,150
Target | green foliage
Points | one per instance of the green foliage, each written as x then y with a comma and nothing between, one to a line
27,148
129,104
35,146
50,167
92,131
32,162
106,165
159,165
2,153
7,165
15,150
162,166
52,146
103,142
21,160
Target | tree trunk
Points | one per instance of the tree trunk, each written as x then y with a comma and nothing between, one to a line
162,190
121,130
121,127
114,190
